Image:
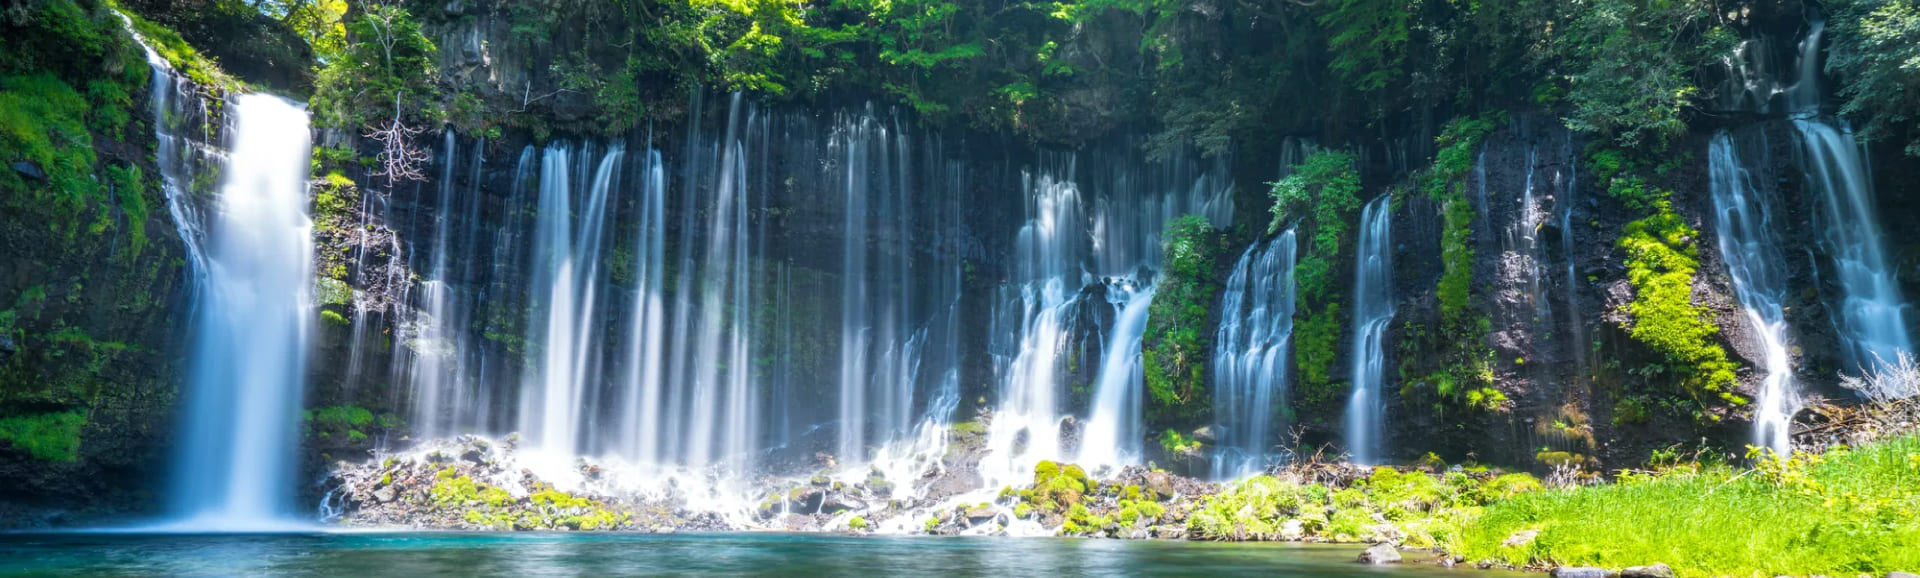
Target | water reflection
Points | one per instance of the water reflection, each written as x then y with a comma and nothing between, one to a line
600,555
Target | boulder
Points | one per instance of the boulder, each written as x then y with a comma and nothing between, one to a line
1380,554
1897,575
1580,572
1293,530
1160,483
1652,571
1520,538
384,495
1169,532
29,170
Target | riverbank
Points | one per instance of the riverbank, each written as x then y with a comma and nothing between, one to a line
1847,511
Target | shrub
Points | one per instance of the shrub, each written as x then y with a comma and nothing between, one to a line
53,437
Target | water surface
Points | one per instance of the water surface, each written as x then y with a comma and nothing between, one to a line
616,554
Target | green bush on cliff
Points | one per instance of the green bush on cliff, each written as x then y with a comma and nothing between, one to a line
1846,513
54,437
1873,50
1176,346
1321,195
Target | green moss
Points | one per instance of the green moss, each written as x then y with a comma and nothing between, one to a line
53,437
1661,261
42,122
334,319
857,524
183,57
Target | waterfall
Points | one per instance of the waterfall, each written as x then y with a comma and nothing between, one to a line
1116,424
1744,222
647,319
1069,242
242,407
567,280
436,350
249,260
1576,329
1250,356
1046,252
1372,311
1871,317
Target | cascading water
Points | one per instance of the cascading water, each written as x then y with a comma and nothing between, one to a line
1744,222
236,464
1047,251
1250,356
249,259
566,283
1871,317
1115,426
1064,243
645,346
1373,309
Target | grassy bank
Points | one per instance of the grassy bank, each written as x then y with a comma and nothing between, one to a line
1843,513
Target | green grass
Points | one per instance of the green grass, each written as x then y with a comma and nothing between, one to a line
1844,513
1424,509
54,437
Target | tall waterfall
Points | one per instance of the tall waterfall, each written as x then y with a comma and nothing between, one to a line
1372,311
1250,356
438,356
1744,224
1871,313
1115,425
899,340
236,464
249,257
566,284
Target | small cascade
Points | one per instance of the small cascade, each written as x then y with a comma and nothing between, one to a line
237,451
1576,328
1250,357
1373,309
1117,422
1744,224
1871,313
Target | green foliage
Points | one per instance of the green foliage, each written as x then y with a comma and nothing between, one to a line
1322,194
1661,260
1875,52
382,69
1174,443
183,57
339,415
53,437
42,121
1849,512
1629,65
857,524
1367,39
1426,509
1176,346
